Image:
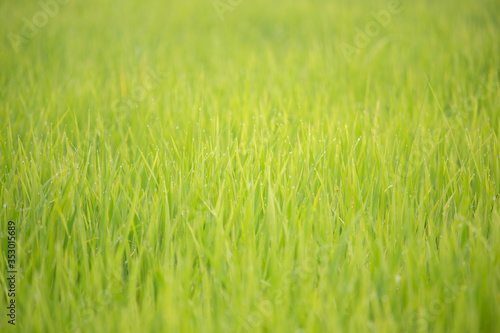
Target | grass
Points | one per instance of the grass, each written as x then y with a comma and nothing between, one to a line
169,170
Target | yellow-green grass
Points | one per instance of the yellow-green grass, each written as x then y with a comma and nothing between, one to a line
175,166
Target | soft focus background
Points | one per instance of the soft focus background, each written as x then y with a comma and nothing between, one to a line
285,166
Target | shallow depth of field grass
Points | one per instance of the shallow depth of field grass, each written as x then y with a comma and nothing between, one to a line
169,170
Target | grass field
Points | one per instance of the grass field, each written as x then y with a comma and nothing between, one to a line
253,166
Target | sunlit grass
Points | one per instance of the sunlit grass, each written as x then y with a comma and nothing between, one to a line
170,171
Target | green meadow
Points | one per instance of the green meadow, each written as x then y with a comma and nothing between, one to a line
250,166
